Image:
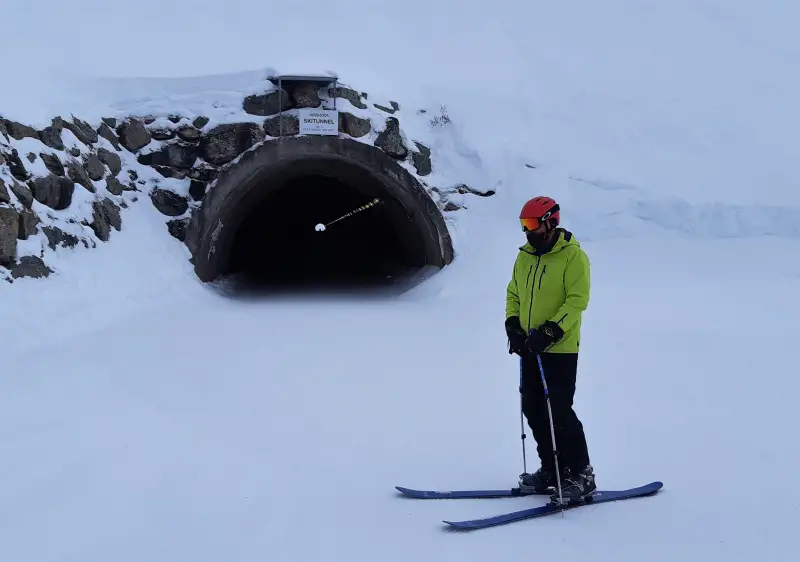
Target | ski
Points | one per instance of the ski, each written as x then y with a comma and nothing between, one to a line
549,509
466,494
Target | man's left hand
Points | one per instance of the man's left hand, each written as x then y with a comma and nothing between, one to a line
543,337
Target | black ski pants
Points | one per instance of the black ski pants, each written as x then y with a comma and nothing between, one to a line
560,371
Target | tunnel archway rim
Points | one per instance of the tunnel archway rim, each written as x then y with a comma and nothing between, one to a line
264,168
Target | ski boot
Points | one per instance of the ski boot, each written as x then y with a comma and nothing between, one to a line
576,488
539,482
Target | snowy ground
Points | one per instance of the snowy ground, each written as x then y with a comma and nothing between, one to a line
144,417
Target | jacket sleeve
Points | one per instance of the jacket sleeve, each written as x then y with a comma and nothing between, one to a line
512,294
576,286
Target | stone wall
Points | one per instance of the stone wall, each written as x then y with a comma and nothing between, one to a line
68,184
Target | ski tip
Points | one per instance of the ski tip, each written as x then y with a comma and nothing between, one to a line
461,525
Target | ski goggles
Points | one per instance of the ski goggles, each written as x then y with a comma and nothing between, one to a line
534,223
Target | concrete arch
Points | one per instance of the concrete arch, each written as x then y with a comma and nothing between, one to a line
268,169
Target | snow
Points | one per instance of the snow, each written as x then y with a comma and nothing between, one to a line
143,416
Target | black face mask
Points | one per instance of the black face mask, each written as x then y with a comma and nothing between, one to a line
540,241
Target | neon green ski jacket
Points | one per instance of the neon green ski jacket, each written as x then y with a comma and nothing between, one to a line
553,286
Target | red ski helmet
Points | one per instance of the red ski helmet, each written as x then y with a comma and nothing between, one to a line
539,211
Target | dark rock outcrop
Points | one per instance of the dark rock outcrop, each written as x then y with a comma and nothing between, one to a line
105,215
354,126
422,159
169,203
134,135
9,228
57,237
177,228
53,191
267,104
391,141
286,125
30,266
110,159
224,143
82,131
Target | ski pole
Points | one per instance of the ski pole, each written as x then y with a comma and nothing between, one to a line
522,421
552,432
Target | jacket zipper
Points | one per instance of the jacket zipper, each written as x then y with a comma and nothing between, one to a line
528,281
530,304
544,270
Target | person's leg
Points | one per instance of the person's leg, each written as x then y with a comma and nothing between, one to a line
534,407
561,373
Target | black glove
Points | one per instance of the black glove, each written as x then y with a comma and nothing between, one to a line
516,336
543,337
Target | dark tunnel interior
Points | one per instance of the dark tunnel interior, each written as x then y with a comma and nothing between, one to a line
277,247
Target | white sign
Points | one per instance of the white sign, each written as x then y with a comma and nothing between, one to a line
319,121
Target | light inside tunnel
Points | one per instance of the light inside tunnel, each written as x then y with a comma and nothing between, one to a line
280,244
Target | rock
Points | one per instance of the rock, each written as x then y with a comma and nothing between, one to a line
5,197
23,194
16,166
3,131
162,134
76,173
175,118
18,131
133,175
168,172
169,203
189,134
9,228
305,95
177,228
110,121
31,157
75,151
30,266
105,215
82,131
200,122
391,141
53,191
197,190
28,224
57,237
51,136
203,174
52,163
114,186
94,167
464,189
422,159
288,125
134,135
110,159
350,95
267,104
174,155
354,126
107,133
449,206
223,143
395,107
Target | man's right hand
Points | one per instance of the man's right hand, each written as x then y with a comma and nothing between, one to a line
516,336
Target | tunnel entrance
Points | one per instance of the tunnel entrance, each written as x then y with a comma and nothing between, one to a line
278,247
257,224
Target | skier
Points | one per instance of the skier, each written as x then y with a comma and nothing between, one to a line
545,299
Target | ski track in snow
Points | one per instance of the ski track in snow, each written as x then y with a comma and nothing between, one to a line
145,417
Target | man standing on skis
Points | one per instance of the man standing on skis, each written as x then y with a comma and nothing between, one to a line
547,294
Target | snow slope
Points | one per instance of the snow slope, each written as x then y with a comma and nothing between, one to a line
145,417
